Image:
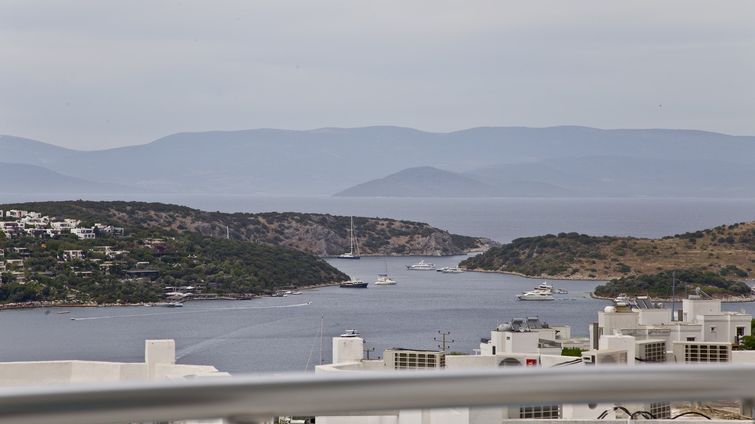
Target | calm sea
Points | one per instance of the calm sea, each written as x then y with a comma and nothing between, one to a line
283,334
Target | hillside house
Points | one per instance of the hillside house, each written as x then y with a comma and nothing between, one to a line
70,255
15,213
83,233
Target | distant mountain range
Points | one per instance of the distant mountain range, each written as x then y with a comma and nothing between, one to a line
505,161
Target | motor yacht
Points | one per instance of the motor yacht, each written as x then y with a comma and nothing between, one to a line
536,295
421,266
451,270
353,284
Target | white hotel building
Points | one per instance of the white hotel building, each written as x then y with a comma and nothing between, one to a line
629,336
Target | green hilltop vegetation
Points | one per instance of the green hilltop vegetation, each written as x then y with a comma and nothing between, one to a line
222,267
727,251
661,285
317,234
141,265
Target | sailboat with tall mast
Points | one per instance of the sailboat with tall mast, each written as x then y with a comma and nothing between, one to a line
353,252
385,279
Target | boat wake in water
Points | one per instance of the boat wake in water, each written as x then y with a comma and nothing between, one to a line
214,341
192,311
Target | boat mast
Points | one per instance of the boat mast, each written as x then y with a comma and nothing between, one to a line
322,318
353,245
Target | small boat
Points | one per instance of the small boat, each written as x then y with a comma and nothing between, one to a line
174,305
536,295
278,294
421,266
353,284
352,253
562,291
63,312
385,280
451,270
350,333
296,293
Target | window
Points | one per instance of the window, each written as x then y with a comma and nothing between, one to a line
690,339
713,329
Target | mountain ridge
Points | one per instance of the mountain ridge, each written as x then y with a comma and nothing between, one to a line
328,160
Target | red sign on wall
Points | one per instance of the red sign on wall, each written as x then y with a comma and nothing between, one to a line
531,362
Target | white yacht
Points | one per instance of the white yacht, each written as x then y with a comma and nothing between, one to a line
385,280
544,286
543,291
536,295
451,270
353,252
421,266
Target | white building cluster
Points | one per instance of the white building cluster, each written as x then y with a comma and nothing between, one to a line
20,223
17,223
627,335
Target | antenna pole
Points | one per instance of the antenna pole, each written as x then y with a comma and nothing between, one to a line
443,344
367,352
673,295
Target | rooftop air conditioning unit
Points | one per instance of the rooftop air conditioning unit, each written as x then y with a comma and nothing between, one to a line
518,360
649,351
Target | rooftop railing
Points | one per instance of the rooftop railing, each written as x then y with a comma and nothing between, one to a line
251,399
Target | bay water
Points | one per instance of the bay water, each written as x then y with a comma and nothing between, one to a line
285,334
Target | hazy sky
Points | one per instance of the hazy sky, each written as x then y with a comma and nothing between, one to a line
96,74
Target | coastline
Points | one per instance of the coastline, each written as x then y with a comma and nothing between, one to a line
57,304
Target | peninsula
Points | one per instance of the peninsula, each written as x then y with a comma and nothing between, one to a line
316,234
79,252
727,250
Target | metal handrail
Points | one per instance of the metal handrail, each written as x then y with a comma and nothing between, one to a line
325,394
